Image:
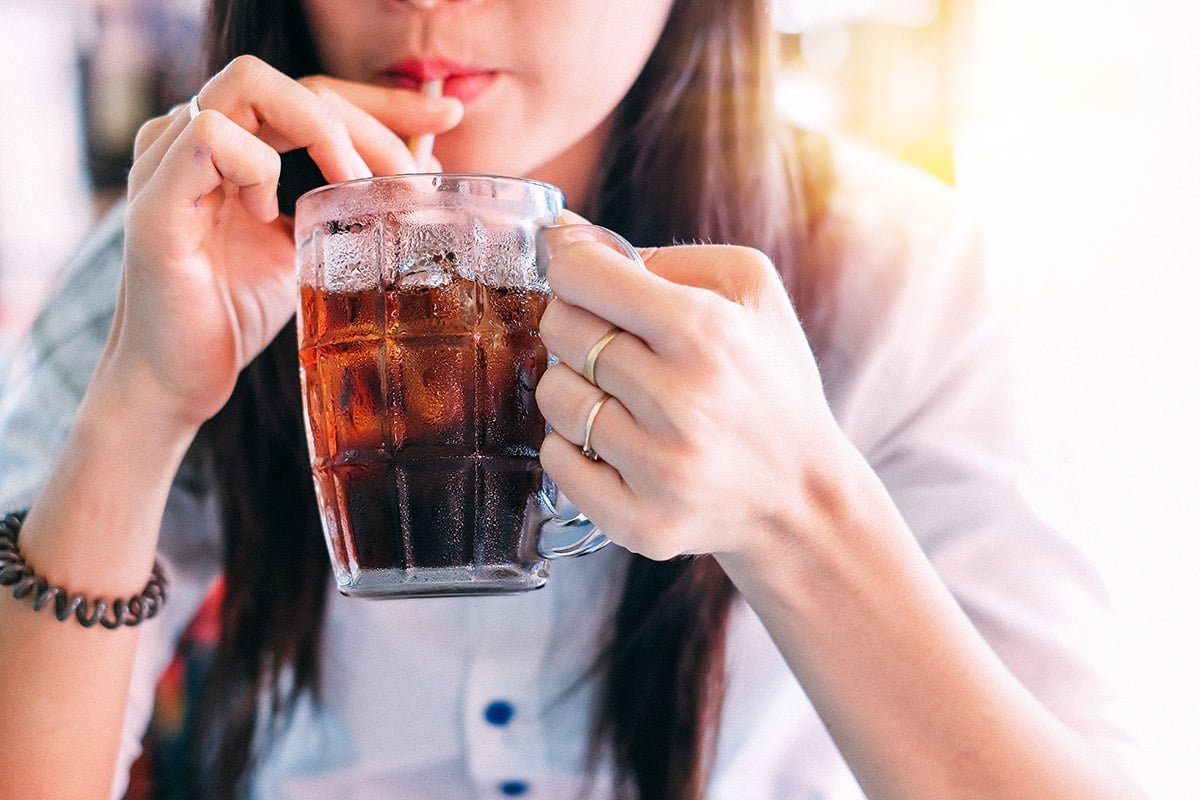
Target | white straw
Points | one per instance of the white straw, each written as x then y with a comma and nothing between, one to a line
422,146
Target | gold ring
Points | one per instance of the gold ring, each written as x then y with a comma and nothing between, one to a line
587,428
589,363
193,107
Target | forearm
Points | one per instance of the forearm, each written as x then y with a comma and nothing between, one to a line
916,700
93,530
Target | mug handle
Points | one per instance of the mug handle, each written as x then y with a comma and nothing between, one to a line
568,533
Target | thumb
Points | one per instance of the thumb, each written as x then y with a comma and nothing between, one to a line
571,218
740,274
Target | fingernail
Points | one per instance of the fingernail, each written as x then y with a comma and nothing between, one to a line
556,237
553,238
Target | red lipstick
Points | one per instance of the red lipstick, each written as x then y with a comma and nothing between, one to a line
463,81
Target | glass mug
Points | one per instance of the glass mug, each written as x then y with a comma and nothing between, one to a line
420,299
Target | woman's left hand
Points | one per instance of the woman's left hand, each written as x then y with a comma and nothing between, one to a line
717,421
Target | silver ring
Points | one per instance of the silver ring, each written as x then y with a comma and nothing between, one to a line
193,107
587,450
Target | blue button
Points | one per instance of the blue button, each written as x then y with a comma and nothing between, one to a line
499,712
514,788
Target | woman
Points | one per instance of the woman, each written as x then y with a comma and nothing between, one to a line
876,605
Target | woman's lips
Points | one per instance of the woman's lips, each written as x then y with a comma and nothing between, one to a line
462,81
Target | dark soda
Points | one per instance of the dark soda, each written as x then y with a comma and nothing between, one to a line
424,429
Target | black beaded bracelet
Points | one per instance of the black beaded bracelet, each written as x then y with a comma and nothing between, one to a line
16,573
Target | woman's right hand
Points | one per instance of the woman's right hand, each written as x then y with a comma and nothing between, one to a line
208,281
209,262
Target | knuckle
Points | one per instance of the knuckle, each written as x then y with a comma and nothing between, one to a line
706,324
326,92
754,261
244,67
655,550
331,122
317,84
659,534
669,475
338,130
749,273
747,267
272,165
554,454
690,421
206,127
546,392
550,324
564,409
139,172
147,135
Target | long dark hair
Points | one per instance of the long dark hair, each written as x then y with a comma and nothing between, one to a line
696,156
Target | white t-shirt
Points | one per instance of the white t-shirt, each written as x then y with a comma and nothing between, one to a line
481,697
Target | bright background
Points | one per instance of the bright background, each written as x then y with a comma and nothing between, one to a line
1072,127
1090,188
1079,148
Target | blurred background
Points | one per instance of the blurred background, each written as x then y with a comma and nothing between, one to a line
1070,127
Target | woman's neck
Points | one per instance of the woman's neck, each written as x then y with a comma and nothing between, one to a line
574,169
